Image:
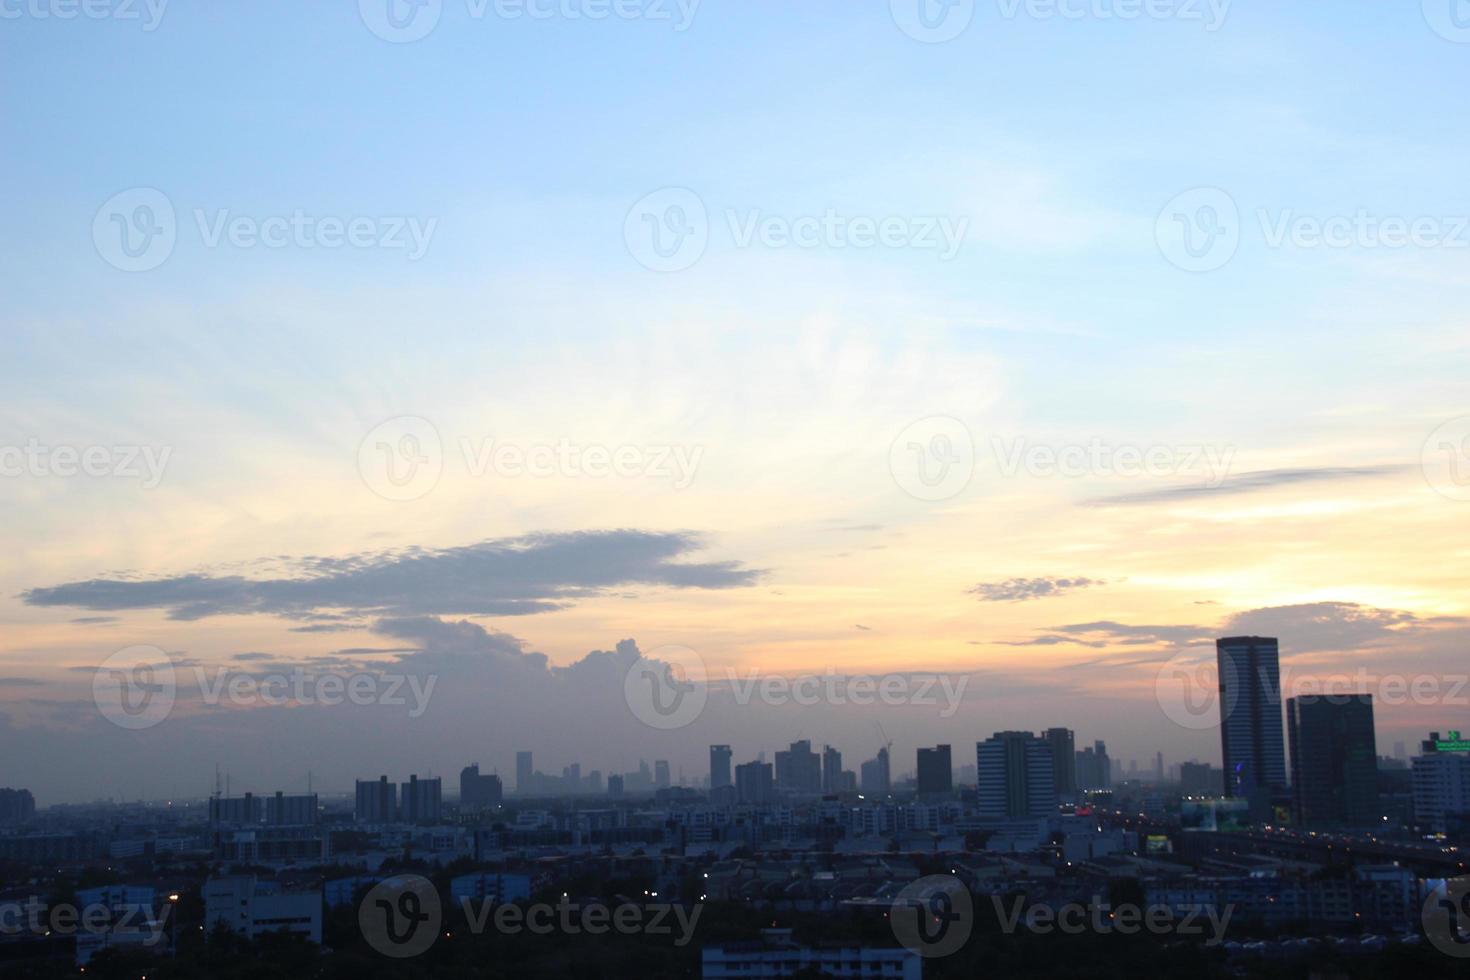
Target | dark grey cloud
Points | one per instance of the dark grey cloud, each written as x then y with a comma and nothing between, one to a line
1318,626
1251,483
21,682
502,577
1023,589
94,620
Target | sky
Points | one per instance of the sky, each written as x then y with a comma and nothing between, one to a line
1006,351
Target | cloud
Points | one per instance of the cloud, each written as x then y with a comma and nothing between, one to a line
501,577
1318,626
1251,483
1024,589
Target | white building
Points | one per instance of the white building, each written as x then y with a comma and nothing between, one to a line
1441,788
252,907
775,955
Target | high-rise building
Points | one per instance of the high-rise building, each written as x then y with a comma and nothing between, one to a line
420,800
525,773
876,779
1442,784
1063,760
1334,760
935,771
1251,746
16,805
234,809
615,785
1013,773
1199,779
754,782
799,769
831,770
476,790
296,811
661,773
1094,768
377,801
719,766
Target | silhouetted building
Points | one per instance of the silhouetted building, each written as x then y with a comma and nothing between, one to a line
525,773
1334,760
1063,760
1251,746
291,811
615,785
754,782
1094,768
661,774
799,769
377,801
476,790
237,810
876,778
1200,779
16,805
420,800
831,770
719,766
1013,774
935,771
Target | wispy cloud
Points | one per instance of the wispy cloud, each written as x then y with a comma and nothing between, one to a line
1251,483
1023,589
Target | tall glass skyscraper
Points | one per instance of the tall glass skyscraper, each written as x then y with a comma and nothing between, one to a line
1251,745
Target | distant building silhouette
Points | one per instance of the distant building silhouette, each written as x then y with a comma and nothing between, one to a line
876,778
16,805
1013,772
1334,760
719,766
754,782
476,790
1094,768
524,773
377,801
935,771
1251,745
1063,760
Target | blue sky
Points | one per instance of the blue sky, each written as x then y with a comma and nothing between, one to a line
518,147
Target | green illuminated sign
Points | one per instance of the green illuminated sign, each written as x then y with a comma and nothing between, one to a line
1454,743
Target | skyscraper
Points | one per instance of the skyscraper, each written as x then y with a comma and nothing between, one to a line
754,782
524,772
1251,746
377,801
419,800
661,774
875,779
1063,760
799,769
1094,768
719,766
1334,760
831,770
936,770
1013,772
476,790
